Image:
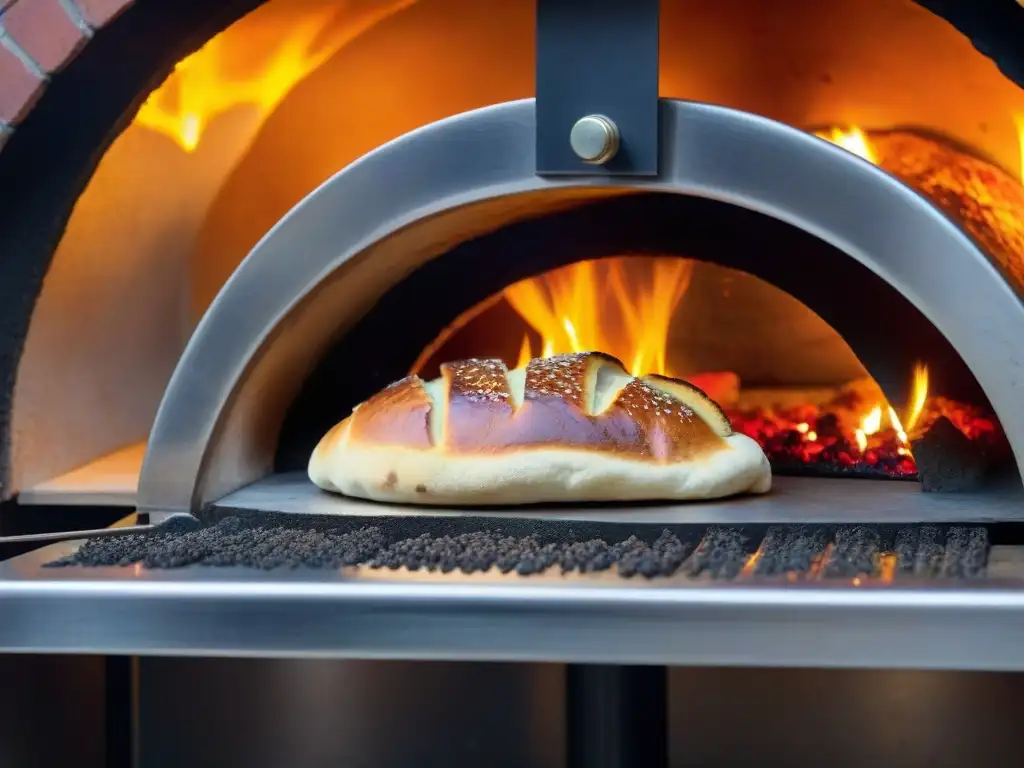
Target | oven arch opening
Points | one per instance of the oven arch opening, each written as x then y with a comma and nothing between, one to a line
888,336
281,309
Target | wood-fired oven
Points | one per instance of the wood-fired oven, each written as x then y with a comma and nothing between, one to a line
226,224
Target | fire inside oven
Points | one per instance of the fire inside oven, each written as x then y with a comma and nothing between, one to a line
783,375
785,378
828,367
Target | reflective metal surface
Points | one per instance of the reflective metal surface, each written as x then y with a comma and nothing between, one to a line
54,712
601,59
252,713
596,618
256,713
342,247
805,718
179,520
792,500
594,139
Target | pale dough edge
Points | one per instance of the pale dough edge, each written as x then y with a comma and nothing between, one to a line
534,475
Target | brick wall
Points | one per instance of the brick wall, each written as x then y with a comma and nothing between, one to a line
37,38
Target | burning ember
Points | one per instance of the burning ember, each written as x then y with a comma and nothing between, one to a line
855,432
840,436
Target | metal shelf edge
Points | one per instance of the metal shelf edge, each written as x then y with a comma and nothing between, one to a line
352,614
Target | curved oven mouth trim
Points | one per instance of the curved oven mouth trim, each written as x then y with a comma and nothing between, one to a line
218,421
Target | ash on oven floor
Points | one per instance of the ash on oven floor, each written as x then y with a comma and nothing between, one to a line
530,546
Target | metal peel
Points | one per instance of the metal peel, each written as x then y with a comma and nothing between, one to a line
179,522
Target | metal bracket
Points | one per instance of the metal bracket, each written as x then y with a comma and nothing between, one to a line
597,81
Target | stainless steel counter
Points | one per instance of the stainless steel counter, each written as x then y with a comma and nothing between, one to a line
599,618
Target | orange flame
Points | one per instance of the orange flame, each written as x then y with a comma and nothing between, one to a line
871,424
852,139
1018,120
604,305
200,88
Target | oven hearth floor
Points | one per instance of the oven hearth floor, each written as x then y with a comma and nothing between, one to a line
791,500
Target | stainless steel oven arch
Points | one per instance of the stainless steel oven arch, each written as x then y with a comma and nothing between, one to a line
359,232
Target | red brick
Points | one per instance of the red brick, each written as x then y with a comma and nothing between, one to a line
19,88
99,12
44,31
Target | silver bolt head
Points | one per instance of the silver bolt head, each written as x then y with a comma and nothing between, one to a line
594,139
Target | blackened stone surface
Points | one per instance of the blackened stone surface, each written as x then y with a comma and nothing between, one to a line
234,542
721,554
822,468
791,549
919,551
855,551
947,460
966,553
525,546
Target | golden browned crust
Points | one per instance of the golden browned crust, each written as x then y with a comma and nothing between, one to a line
697,399
584,401
397,415
480,409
